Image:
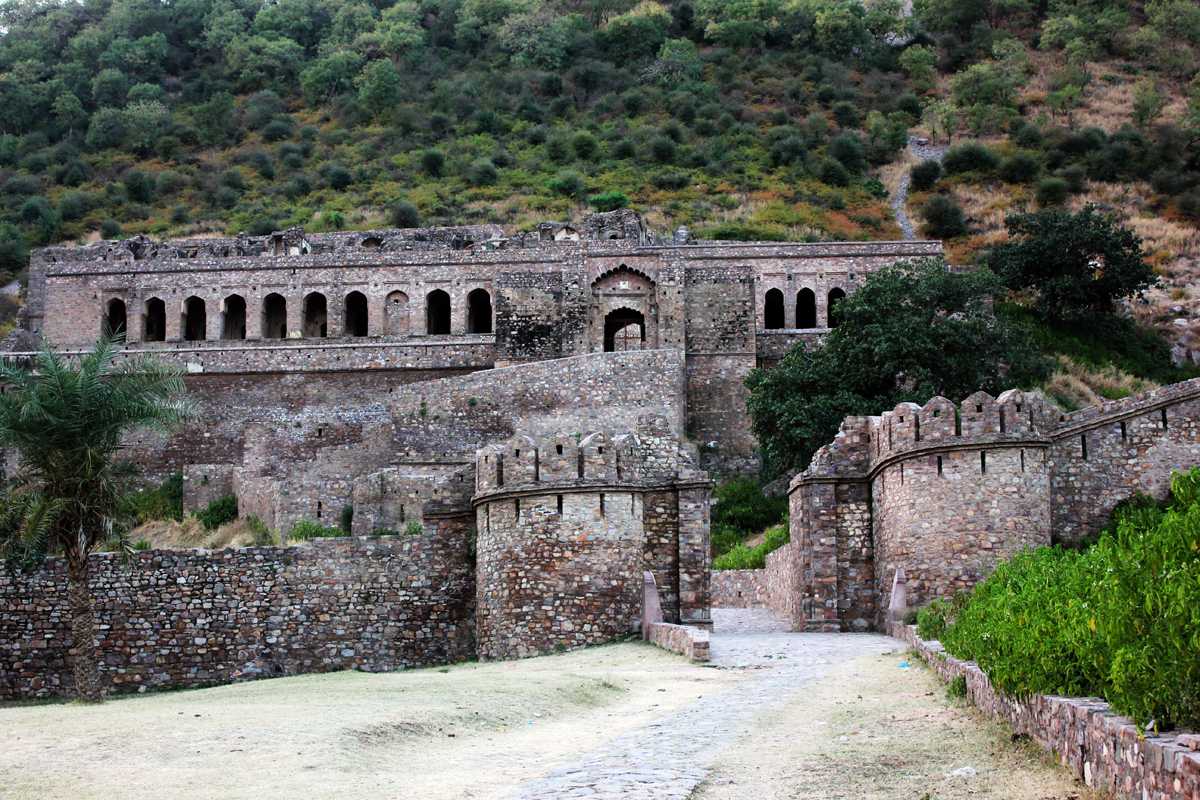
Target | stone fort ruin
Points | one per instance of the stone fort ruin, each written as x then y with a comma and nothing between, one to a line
524,426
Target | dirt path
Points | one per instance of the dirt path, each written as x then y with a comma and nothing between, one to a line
776,714
873,730
915,154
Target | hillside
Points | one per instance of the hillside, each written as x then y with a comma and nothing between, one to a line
774,119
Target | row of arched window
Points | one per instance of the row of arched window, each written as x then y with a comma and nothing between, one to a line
315,316
806,308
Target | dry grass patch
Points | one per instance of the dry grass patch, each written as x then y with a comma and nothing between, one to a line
1075,385
172,535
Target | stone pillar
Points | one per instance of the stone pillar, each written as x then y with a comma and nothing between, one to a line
815,529
694,550
335,314
295,315
254,315
174,307
214,319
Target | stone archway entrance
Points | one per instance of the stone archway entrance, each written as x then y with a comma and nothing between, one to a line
624,329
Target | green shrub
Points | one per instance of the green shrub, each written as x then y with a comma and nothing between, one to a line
1052,191
724,538
377,532
414,528
263,536
933,619
405,215
925,175
1019,168
608,201
944,219
1120,619
957,688
432,161
832,172
163,502
969,157
585,145
662,149
740,504
218,512
742,557
482,172
568,184
306,529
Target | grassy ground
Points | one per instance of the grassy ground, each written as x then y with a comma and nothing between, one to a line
874,730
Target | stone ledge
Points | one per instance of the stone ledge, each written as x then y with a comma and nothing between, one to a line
1103,749
682,639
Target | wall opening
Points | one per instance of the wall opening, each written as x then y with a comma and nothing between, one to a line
274,317
982,462
624,329
479,312
233,317
602,504
114,321
1164,419
806,309
773,310
355,319
1123,431
395,314
939,465
836,296
1083,445
154,321
316,316
195,320
437,313
560,505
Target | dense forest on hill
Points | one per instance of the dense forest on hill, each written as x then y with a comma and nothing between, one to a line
751,118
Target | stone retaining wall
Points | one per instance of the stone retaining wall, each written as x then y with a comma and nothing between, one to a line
683,639
195,618
739,588
1100,747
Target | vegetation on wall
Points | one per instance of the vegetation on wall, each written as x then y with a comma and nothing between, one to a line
1120,619
910,332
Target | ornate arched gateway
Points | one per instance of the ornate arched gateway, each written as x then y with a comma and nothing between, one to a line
624,314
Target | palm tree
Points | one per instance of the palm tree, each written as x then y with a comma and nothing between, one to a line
67,419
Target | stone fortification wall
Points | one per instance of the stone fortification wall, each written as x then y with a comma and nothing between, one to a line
195,618
774,586
317,453
946,491
567,527
1101,748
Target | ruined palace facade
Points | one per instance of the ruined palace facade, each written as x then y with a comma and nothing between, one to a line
358,314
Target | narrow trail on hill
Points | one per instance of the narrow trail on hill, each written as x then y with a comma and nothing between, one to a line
920,150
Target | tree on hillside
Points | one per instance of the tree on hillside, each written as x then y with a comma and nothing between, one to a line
67,422
1076,264
910,332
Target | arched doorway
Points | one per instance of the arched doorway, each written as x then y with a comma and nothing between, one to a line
355,319
437,313
154,321
773,310
396,314
274,317
195,320
114,318
835,296
624,329
806,309
479,312
316,316
233,317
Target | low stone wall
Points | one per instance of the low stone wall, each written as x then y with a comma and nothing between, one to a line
739,588
683,639
195,618
1100,747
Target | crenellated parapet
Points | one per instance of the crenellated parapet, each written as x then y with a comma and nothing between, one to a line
567,524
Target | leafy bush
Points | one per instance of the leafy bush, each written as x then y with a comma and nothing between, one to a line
263,536
925,175
1120,620
414,528
608,201
160,503
218,512
742,557
724,539
1019,168
432,161
568,184
405,215
969,157
933,619
944,218
482,172
740,504
306,529
1052,191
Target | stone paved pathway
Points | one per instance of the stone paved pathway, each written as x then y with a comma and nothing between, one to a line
667,760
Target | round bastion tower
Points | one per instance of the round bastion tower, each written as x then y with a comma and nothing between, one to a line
566,526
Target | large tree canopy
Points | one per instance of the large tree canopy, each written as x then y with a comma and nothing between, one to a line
1077,264
910,332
